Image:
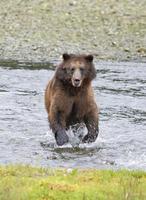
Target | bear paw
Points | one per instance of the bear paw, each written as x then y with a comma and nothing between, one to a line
61,138
89,138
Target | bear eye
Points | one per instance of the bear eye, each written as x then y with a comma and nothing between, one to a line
72,69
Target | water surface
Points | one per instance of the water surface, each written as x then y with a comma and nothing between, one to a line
120,90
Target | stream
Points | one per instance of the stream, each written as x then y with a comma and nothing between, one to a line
120,91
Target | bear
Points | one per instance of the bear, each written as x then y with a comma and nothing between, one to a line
69,98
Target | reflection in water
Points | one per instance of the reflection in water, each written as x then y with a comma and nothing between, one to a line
120,90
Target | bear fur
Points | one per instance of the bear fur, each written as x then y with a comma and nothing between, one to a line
69,98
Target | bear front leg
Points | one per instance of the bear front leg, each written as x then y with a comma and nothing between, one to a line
91,122
57,124
61,137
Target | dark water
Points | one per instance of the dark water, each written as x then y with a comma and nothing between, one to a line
120,90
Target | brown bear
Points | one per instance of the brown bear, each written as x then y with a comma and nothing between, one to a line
69,98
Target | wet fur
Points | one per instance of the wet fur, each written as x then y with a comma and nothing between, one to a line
67,105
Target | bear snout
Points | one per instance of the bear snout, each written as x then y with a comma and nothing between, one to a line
77,78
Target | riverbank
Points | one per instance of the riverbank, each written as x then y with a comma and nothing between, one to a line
25,182
40,31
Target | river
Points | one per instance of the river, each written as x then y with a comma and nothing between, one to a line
120,91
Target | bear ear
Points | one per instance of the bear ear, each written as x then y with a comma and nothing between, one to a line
66,56
89,58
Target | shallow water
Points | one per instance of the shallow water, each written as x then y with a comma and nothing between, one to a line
120,90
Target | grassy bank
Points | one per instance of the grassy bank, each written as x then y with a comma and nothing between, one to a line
41,30
24,182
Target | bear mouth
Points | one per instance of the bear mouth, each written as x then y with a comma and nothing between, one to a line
76,83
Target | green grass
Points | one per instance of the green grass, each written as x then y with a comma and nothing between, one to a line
25,182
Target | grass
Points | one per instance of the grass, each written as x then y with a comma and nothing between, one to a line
29,183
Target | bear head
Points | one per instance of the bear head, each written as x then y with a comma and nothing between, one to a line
76,69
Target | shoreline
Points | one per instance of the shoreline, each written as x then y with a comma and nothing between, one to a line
18,64
42,31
